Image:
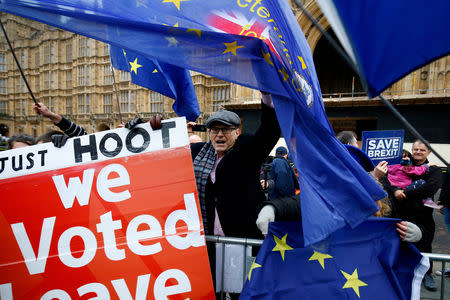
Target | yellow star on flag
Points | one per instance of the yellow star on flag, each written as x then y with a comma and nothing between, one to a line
174,25
281,245
155,71
267,57
320,257
173,28
295,86
134,66
254,266
197,31
231,47
172,41
285,75
175,2
353,281
302,61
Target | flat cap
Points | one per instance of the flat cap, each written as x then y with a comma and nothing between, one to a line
225,117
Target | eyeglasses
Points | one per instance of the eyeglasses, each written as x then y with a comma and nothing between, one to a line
225,131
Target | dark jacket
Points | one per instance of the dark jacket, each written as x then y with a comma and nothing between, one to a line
286,208
237,188
444,198
70,128
412,209
283,176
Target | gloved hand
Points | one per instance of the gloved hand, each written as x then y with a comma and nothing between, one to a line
409,232
59,140
265,216
131,124
413,233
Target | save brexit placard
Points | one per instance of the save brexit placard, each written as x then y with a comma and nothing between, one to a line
383,145
112,215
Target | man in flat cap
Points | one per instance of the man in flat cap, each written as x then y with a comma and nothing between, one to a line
227,171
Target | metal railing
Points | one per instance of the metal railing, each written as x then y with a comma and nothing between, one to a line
443,258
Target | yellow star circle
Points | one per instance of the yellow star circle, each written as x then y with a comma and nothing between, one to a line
281,245
231,47
175,2
134,66
254,266
353,281
320,257
267,57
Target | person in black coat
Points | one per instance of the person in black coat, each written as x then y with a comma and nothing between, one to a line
444,200
282,175
408,205
227,172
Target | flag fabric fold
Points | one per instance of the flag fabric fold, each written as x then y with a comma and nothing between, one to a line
389,44
166,79
257,44
367,262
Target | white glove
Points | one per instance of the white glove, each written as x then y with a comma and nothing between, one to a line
265,216
413,233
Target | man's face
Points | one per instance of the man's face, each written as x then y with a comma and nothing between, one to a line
354,143
223,137
420,152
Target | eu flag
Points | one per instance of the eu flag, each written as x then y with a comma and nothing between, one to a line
413,34
367,262
257,44
166,79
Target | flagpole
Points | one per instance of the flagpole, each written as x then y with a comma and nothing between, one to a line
350,63
17,63
410,127
117,94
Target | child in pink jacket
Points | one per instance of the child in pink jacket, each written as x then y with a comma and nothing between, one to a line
401,176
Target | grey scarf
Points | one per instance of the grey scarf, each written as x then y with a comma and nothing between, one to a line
203,165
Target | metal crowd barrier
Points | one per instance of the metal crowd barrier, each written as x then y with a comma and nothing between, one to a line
443,258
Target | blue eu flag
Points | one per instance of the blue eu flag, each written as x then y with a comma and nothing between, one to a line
257,44
367,262
166,79
412,43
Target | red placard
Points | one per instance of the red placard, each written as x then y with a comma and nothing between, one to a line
122,228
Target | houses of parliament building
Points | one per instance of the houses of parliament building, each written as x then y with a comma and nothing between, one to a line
72,76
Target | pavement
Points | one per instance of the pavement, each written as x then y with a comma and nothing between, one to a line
441,245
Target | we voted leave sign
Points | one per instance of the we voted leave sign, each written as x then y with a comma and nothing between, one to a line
112,215
383,145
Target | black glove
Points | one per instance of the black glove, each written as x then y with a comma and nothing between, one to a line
131,124
59,140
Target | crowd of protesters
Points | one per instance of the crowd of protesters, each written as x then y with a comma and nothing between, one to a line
240,193
411,187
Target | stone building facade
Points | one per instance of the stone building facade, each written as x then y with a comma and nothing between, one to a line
71,75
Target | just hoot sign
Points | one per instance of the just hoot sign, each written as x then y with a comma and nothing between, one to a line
383,145
112,215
